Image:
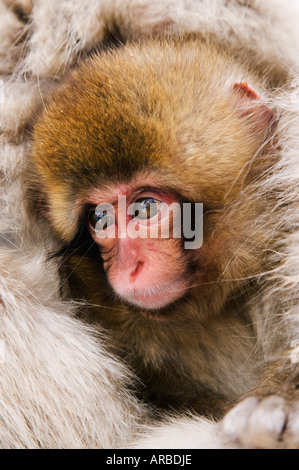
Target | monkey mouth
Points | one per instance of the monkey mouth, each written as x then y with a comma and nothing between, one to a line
155,298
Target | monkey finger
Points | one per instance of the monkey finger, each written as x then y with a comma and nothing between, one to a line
268,423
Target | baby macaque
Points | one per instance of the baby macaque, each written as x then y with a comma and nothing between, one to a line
148,163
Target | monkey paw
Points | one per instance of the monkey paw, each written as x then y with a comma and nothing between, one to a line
270,422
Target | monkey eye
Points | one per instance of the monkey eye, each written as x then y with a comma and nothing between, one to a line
100,219
146,208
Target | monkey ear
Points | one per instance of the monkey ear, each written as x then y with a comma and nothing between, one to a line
251,106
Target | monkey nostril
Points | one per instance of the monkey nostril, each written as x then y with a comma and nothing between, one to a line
137,269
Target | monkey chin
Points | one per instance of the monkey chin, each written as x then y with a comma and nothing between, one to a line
154,299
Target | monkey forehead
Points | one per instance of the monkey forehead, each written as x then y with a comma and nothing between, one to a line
156,108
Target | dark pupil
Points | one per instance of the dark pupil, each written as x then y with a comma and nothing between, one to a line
101,215
101,220
146,208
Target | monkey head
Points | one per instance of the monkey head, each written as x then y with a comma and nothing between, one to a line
159,137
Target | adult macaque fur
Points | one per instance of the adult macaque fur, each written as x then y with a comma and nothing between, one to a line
157,119
271,311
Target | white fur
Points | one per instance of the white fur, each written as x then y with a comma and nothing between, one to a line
182,433
59,388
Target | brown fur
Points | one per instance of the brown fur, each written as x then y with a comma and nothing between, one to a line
168,109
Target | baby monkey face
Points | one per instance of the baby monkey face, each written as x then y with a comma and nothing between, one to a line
144,147
143,233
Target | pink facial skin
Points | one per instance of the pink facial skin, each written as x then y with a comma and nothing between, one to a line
147,272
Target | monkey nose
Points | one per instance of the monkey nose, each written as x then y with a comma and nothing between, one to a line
129,264
137,270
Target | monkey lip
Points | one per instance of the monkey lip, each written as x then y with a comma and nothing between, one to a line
155,298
